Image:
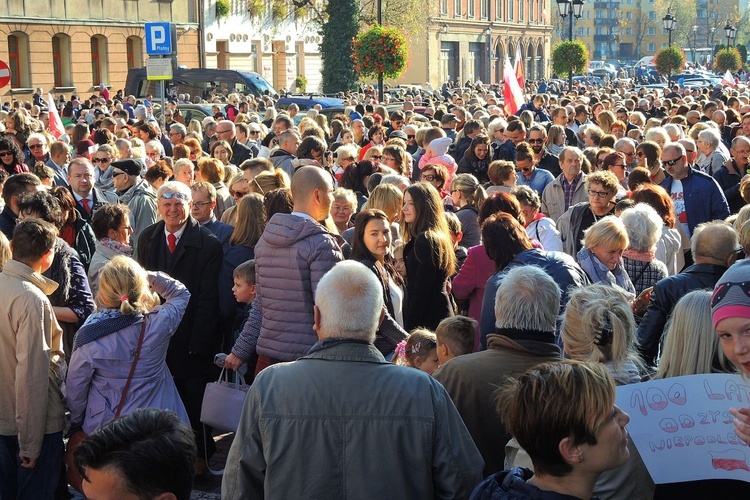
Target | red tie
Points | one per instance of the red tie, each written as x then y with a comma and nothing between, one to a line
86,205
172,240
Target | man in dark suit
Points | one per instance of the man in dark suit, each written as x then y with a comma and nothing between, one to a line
88,198
179,246
59,155
225,131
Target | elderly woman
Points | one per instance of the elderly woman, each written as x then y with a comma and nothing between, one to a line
212,170
496,131
648,155
601,188
644,227
343,207
538,226
112,229
437,175
601,255
563,415
669,247
713,156
344,157
658,135
477,158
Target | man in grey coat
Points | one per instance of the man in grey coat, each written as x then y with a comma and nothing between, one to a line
136,193
342,422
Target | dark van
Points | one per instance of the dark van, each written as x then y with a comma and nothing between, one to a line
204,83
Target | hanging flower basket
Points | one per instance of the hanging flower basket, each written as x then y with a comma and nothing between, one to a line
222,8
669,61
380,49
728,59
570,56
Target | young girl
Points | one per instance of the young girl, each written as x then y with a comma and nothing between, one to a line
419,351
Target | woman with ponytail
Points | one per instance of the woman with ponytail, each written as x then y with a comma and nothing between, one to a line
119,355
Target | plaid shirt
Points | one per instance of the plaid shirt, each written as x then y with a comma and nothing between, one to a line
569,188
644,274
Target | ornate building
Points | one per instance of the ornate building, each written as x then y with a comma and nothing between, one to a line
468,40
71,46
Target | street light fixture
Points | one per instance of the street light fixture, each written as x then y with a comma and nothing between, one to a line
733,37
669,24
728,29
571,9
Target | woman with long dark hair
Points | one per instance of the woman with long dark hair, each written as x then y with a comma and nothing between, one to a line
429,257
11,156
476,160
371,244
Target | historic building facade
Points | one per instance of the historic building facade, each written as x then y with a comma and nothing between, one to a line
71,46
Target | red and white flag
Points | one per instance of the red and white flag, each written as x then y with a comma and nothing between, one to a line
512,93
519,68
727,79
55,123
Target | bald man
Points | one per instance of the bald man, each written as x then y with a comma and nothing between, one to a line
291,257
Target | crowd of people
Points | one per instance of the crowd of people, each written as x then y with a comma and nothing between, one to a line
436,301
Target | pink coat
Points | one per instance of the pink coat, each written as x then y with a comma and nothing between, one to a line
471,280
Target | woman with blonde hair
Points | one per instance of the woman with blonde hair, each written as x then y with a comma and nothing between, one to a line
266,181
605,119
196,128
689,344
343,207
389,199
601,256
106,380
468,196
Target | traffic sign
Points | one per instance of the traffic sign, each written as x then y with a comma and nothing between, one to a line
159,68
158,38
4,74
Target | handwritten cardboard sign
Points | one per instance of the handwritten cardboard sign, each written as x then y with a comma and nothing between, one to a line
683,429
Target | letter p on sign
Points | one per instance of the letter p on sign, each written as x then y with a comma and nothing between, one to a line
158,39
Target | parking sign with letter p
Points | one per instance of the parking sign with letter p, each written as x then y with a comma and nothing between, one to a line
158,39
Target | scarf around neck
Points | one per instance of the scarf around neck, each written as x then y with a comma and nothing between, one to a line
102,323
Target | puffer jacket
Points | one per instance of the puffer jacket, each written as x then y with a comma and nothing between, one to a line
291,257
560,266
142,202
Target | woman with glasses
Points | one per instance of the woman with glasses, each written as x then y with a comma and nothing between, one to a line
374,155
395,158
615,163
602,189
11,156
437,175
648,155
476,160
102,160
212,170
355,177
343,207
344,157
496,131
376,134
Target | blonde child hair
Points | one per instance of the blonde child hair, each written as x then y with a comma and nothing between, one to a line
123,285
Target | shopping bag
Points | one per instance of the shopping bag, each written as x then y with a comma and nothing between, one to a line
222,402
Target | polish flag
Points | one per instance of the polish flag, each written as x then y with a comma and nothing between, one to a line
512,93
727,79
55,123
519,68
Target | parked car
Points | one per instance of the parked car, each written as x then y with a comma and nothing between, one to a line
203,83
188,111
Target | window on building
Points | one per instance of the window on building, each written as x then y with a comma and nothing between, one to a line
484,8
520,10
581,32
532,12
470,11
134,52
651,31
457,8
629,16
652,15
499,9
588,31
444,7
628,31
61,60
99,60
598,14
651,47
18,60
510,10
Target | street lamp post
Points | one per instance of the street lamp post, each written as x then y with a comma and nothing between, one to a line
733,37
570,8
695,36
713,33
669,24
728,30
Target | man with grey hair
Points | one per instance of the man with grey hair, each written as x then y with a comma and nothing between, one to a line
733,171
226,131
362,402
626,146
697,197
715,246
568,188
526,307
177,133
284,156
191,254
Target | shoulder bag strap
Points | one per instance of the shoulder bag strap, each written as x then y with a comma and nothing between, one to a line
132,370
